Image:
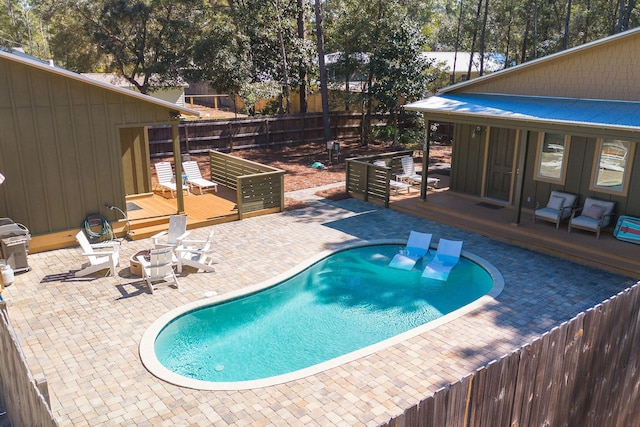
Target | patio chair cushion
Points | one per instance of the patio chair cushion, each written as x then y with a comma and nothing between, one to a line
595,212
605,215
555,202
585,222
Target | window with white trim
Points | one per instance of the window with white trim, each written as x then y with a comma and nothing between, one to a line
612,166
551,157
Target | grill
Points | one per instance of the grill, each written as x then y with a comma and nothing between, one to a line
14,242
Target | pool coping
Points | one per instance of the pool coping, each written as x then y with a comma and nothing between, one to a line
151,363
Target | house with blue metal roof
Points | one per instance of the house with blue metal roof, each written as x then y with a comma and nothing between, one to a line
568,122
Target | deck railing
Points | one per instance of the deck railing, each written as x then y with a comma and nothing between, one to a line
368,182
259,187
24,398
584,372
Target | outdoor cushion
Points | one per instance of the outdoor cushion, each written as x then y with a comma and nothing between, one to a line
555,202
585,222
595,212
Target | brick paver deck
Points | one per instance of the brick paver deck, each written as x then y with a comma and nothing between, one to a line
83,335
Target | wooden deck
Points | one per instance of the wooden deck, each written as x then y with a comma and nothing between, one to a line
498,222
148,214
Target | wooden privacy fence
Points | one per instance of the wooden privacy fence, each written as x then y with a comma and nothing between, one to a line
229,135
25,400
258,187
585,372
368,182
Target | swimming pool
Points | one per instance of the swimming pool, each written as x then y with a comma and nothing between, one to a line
333,309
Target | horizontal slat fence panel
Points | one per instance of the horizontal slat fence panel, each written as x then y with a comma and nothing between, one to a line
583,372
229,135
19,393
368,182
258,186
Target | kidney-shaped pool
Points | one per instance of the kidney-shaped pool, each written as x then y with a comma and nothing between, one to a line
333,309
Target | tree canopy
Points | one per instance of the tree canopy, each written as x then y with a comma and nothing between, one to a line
250,47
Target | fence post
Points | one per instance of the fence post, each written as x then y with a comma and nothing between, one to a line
387,189
347,168
239,196
266,125
366,182
41,383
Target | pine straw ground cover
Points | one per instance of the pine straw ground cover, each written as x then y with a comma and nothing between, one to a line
296,161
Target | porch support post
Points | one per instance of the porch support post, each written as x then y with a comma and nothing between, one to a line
523,148
177,160
425,161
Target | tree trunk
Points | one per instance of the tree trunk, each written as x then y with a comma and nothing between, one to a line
324,92
482,36
452,80
301,64
565,39
473,41
285,68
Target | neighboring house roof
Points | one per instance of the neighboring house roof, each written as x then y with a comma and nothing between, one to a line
79,77
624,115
18,51
461,60
445,59
333,58
120,81
536,62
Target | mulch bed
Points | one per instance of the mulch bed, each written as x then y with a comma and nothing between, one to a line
295,160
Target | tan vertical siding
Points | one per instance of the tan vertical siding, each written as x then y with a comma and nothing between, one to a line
60,146
606,71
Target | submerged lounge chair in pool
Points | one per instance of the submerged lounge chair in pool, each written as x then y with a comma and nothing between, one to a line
417,247
446,257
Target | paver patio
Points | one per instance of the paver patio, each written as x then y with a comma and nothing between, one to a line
83,335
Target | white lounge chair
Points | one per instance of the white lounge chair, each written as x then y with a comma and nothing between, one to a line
197,254
159,269
174,235
417,247
410,175
194,177
446,257
396,185
101,256
166,180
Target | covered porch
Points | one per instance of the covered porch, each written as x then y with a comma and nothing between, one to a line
498,221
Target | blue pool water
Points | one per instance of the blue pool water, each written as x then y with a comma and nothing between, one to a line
343,303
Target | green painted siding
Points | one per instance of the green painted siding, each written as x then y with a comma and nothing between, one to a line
579,169
60,146
467,160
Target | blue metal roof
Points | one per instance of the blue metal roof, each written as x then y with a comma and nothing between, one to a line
623,115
